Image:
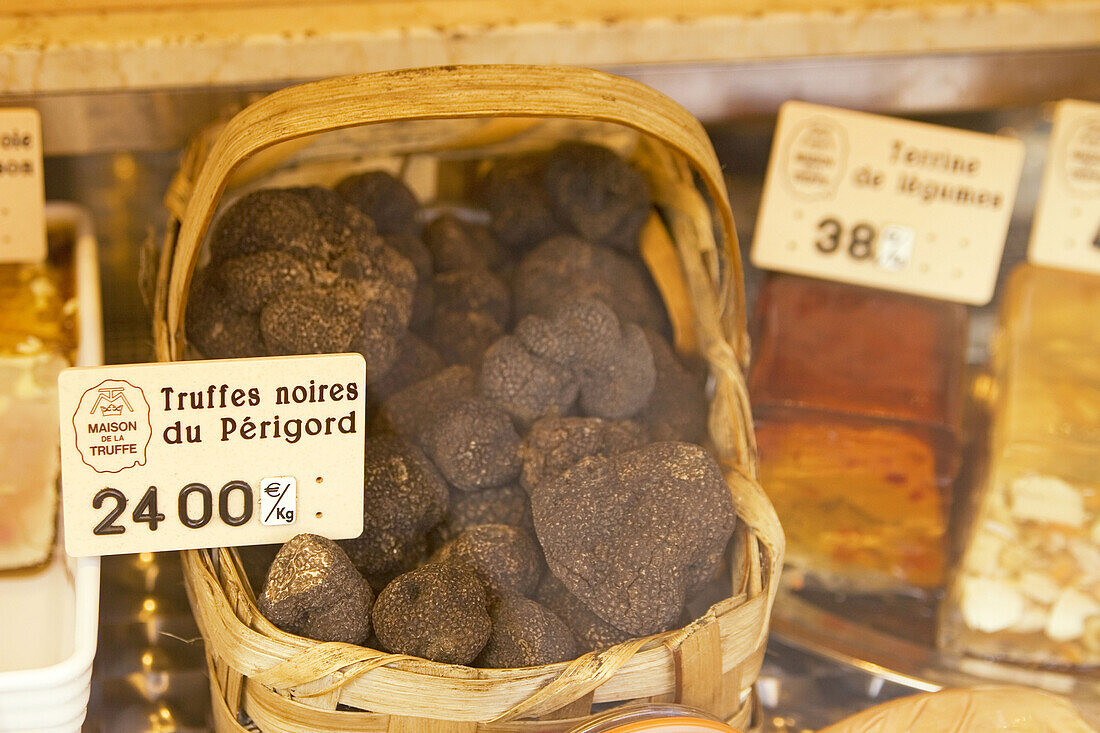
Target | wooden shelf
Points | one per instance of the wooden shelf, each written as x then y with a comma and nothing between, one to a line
65,46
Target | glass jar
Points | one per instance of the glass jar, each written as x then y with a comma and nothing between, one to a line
857,395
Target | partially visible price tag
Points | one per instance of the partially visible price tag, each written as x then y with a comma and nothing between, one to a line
22,191
211,453
1066,229
887,203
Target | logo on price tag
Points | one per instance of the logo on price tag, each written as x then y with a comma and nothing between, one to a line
1066,229
887,203
212,453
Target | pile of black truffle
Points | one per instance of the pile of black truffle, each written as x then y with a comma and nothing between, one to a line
534,485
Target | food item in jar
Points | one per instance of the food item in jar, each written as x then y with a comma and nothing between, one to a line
1028,585
505,557
385,198
474,444
313,590
591,632
28,455
857,395
438,611
526,385
404,496
611,360
565,267
629,534
858,502
555,444
525,634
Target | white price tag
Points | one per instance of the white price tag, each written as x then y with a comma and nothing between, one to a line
887,203
22,190
212,453
1066,229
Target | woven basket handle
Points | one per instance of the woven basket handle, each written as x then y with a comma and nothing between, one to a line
438,93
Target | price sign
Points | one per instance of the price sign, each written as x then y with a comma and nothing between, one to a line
211,453
1066,229
887,203
22,191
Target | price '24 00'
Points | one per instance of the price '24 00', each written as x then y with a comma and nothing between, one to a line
146,512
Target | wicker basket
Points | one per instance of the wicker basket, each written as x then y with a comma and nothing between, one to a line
286,683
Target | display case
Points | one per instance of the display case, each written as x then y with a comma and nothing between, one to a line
884,451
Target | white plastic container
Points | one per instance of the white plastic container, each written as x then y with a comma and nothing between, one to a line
49,616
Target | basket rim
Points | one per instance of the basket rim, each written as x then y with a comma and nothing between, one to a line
440,92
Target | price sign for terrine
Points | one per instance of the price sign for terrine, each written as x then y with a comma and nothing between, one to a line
211,453
887,203
22,191
1066,230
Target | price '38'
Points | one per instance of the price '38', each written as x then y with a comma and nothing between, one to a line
858,242
190,516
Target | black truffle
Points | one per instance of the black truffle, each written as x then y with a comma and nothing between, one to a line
521,208
310,320
217,330
313,590
473,290
412,411
597,193
677,409
525,634
525,385
612,362
438,611
629,534
505,557
506,504
403,497
555,444
249,281
592,633
389,203
342,224
460,245
268,219
566,267
474,445
415,360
